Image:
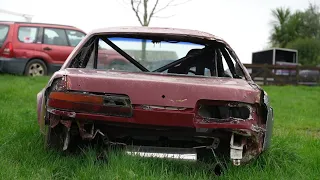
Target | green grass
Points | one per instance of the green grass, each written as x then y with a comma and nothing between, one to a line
295,152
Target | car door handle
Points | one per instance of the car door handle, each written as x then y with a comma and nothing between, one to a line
47,49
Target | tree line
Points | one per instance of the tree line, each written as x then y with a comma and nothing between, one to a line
298,30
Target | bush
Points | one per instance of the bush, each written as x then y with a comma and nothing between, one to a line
309,50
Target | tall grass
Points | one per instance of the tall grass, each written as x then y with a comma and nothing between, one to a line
294,154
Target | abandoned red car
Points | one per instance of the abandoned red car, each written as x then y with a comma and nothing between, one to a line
165,90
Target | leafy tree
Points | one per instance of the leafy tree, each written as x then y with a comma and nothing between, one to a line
311,22
308,50
286,26
298,30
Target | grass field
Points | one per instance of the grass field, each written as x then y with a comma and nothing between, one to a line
295,152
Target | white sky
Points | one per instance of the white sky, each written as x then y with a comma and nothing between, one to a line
244,24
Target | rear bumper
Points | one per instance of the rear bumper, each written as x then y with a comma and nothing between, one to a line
154,118
160,134
13,65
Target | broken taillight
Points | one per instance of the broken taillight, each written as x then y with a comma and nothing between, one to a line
224,111
110,104
60,97
59,84
8,51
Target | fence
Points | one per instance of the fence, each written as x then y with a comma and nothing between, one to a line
265,74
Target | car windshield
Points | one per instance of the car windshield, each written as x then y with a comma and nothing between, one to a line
3,33
158,55
150,53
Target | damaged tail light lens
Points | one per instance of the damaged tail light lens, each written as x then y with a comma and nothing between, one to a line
59,85
110,105
107,104
224,111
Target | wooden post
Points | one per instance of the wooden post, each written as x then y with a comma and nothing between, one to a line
265,68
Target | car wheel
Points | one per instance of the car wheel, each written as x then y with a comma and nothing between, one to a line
36,67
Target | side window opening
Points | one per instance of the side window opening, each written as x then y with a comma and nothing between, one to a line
74,37
238,69
54,36
230,66
225,67
85,57
27,34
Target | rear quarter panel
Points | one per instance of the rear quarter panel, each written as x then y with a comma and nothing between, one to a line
22,49
9,35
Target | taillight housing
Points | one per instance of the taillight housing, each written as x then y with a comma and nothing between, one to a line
59,85
224,111
8,51
59,97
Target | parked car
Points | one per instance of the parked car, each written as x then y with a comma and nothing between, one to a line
310,77
286,72
36,49
189,104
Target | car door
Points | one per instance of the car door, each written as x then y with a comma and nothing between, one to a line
56,45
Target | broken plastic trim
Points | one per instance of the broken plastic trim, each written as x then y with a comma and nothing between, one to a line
161,152
150,107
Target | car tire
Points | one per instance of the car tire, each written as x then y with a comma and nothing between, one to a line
36,67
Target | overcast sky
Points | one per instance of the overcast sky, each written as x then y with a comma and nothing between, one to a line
244,24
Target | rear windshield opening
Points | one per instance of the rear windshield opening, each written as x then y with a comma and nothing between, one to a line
158,55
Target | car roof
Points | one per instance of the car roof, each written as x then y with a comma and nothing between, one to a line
138,30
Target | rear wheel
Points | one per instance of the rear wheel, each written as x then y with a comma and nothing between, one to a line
36,67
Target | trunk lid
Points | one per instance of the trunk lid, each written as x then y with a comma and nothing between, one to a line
161,89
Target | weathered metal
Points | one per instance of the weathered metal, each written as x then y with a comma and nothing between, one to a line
228,116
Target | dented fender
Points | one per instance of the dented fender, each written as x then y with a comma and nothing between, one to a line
41,100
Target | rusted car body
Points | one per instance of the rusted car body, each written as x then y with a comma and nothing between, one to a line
205,100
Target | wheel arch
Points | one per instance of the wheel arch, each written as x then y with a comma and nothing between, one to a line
38,58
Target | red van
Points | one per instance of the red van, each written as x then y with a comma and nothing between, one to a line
36,49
